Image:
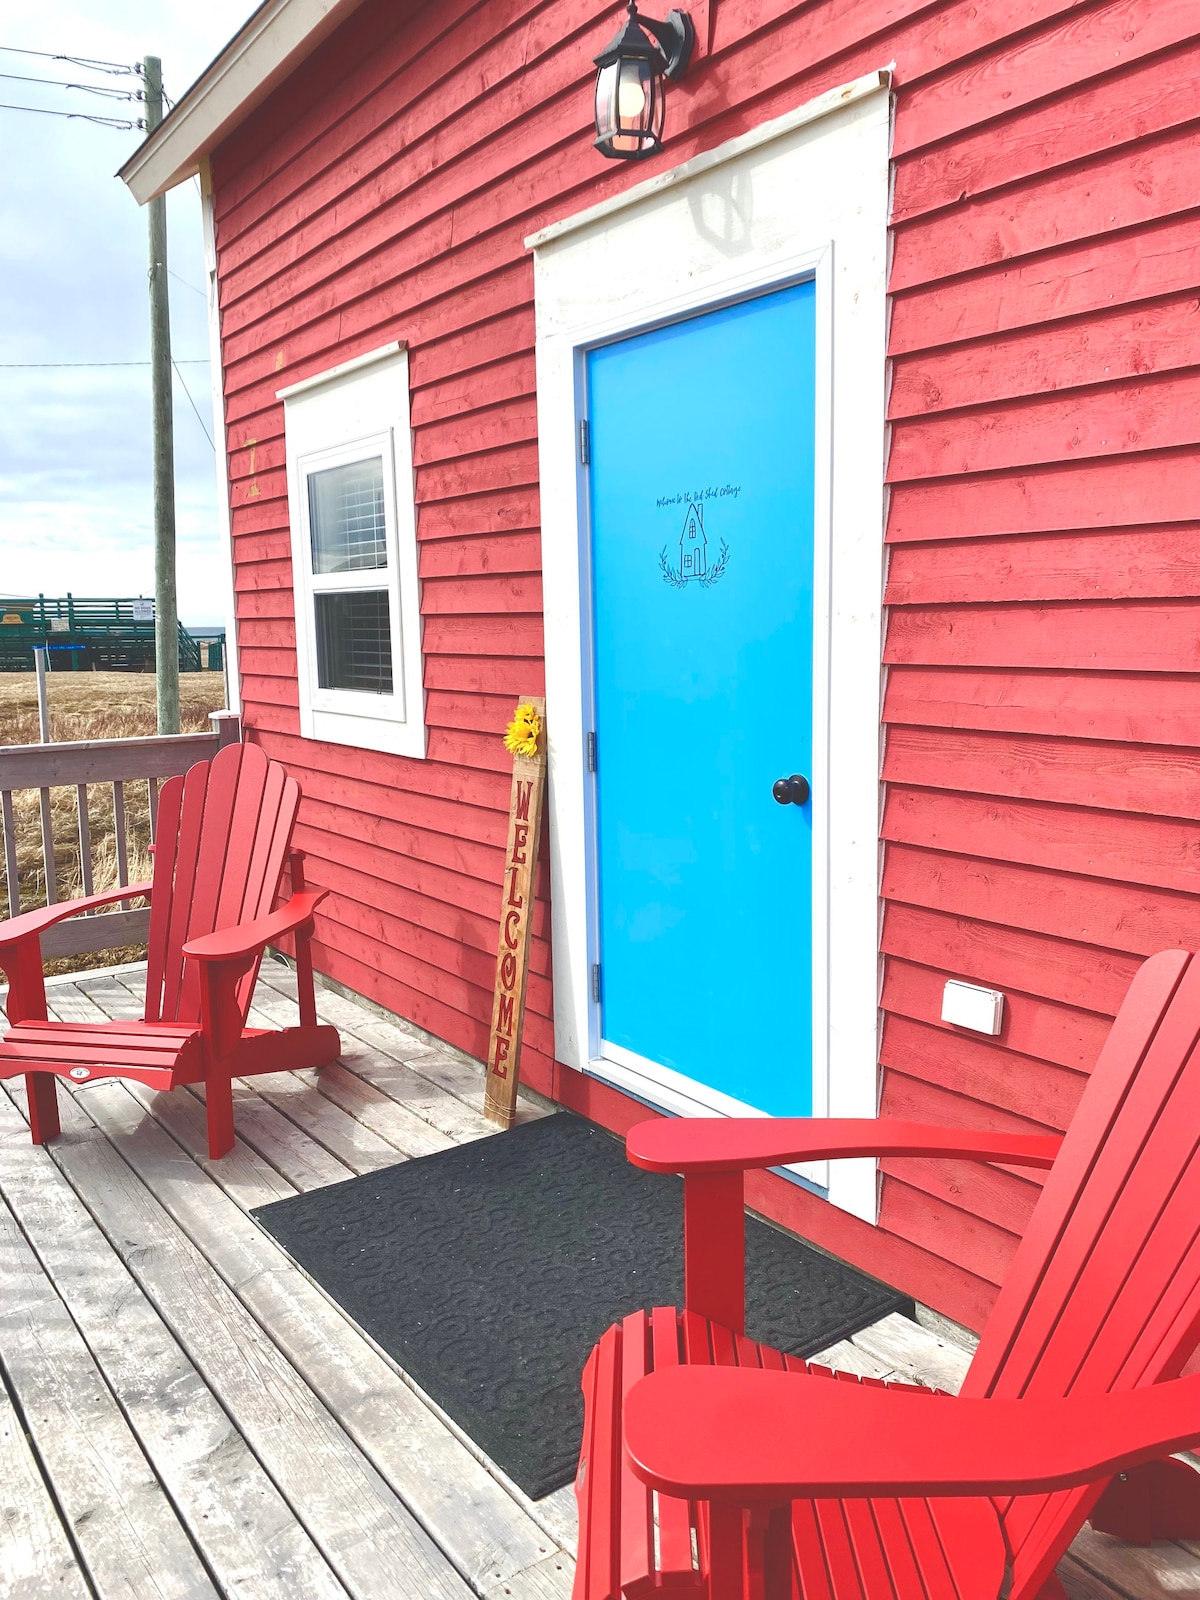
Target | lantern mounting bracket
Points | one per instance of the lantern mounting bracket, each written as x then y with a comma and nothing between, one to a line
675,37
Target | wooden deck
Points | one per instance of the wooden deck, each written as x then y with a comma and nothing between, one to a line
183,1414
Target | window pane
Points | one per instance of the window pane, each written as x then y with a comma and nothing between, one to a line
345,513
354,641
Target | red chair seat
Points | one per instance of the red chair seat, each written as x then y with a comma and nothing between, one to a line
633,1542
160,1054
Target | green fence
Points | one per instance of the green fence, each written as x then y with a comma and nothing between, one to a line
86,635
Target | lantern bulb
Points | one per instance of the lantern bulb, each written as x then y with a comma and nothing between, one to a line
631,99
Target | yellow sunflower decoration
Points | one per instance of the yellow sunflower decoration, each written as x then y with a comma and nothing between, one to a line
521,735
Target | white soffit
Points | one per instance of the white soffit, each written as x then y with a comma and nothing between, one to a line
273,43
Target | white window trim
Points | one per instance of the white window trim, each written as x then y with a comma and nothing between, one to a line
349,413
803,196
233,682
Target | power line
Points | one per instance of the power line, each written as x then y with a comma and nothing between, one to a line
79,116
12,366
87,88
192,403
115,68
186,284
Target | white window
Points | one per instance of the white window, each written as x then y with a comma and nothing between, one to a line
354,555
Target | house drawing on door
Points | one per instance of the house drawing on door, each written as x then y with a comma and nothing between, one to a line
693,542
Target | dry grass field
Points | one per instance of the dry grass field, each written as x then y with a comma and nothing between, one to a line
89,705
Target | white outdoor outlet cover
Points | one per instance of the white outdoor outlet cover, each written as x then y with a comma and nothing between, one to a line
967,1005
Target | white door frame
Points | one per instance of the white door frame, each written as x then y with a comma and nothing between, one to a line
803,196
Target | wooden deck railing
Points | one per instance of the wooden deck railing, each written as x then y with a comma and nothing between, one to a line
113,763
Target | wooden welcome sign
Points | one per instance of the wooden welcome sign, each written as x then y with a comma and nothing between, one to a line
526,738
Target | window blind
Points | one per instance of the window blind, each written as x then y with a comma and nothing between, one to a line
354,640
346,517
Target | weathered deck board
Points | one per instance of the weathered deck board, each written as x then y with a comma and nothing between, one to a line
1142,1573
403,1129
354,1144
914,1354
128,1536
116,999
437,1066
38,1561
1081,1584
448,1491
287,1148
492,1532
846,1356
362,1527
251,1540
188,1314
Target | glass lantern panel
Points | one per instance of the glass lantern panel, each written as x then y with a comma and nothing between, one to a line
636,97
606,100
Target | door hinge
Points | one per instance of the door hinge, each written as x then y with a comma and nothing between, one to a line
596,982
585,443
591,752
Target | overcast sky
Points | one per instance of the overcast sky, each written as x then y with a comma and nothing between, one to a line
75,461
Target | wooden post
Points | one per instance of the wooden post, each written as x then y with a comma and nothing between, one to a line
41,654
516,917
166,611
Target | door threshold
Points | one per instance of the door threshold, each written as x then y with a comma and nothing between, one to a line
673,1100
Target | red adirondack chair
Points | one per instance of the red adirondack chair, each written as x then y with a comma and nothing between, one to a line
223,839
715,1465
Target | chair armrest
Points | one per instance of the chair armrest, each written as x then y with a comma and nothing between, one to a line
740,1144
714,1152
744,1434
32,923
248,938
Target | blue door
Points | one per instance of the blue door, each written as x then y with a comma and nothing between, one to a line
702,481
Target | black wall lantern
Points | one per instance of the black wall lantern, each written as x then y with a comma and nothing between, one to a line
630,94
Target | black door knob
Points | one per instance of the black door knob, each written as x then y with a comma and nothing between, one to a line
793,791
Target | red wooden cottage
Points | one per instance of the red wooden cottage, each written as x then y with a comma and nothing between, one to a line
833,470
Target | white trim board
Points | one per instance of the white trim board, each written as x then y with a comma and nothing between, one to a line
799,117
216,369
355,364
806,196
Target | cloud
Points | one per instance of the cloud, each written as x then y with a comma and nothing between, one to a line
75,442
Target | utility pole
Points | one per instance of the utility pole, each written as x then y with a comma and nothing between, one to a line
166,609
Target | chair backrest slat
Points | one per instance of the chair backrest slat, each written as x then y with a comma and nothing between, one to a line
253,802
185,867
232,787
166,840
224,784
1104,1291
1144,1007
281,799
224,832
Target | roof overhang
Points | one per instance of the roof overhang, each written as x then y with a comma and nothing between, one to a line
273,43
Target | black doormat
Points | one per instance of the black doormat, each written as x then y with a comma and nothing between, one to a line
487,1272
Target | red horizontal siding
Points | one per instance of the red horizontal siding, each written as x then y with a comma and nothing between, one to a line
1081,351
1143,707
1043,749
1043,646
